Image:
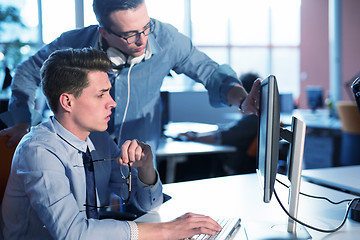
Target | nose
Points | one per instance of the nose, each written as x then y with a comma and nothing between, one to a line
142,39
112,103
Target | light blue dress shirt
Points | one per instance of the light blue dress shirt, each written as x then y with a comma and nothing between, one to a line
170,49
46,190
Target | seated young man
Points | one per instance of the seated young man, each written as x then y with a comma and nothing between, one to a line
62,170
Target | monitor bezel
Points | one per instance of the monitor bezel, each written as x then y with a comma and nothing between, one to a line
268,130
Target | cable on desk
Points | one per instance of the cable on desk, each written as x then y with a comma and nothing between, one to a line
312,227
317,197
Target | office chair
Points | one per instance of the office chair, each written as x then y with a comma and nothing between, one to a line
6,155
5,163
350,141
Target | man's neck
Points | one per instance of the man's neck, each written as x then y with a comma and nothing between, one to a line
71,127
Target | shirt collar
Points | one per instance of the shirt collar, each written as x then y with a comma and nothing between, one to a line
71,139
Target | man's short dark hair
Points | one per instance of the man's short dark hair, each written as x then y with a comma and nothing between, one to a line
248,80
103,9
65,71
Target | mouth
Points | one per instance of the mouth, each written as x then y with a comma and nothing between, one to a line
140,49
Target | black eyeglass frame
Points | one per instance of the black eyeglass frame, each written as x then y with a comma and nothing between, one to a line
149,26
128,183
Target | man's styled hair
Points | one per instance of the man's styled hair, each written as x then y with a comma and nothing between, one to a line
103,9
65,71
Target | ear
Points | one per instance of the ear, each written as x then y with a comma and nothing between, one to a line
103,32
65,102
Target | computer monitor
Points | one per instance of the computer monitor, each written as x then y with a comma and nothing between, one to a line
269,136
315,97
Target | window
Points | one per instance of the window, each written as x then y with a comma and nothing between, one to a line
261,36
15,47
57,17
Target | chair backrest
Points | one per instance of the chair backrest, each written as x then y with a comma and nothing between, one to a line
6,155
349,116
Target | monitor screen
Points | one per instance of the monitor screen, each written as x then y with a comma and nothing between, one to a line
269,131
314,97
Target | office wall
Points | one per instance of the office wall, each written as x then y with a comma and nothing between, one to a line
314,47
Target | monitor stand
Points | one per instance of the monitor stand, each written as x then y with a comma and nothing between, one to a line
294,161
291,230
268,231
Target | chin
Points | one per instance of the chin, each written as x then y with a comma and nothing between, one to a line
101,129
137,54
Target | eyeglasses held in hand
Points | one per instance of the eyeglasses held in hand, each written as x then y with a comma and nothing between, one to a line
125,189
149,28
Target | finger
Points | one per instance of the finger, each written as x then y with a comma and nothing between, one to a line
124,151
207,231
132,150
255,87
146,150
119,160
138,153
203,219
205,225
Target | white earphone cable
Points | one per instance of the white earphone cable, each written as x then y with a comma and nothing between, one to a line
127,103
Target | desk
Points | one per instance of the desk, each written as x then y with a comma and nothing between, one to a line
177,151
240,196
342,178
319,119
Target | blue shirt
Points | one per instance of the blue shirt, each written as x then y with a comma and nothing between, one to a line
170,49
46,189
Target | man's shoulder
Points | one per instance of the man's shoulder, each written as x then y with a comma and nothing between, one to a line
44,133
82,37
164,31
90,29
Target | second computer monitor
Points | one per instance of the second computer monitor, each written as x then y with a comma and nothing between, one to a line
269,131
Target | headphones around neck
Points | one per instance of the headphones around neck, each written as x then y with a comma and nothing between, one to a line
118,58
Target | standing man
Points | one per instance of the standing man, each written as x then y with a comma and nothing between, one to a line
63,169
143,51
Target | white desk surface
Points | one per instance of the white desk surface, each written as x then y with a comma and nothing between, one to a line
342,178
173,129
169,147
175,148
240,196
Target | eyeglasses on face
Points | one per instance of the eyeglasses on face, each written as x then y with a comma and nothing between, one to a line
125,189
149,28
